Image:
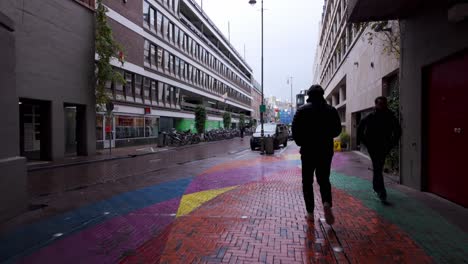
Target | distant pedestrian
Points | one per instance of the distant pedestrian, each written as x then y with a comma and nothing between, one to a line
242,129
380,131
314,126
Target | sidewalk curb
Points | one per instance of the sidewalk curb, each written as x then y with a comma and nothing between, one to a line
128,156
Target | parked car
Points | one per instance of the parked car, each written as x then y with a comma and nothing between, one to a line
279,132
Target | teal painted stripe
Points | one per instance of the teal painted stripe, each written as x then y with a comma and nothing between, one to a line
441,240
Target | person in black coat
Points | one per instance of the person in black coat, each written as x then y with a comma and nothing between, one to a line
380,131
314,126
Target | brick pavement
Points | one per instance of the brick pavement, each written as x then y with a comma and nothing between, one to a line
242,211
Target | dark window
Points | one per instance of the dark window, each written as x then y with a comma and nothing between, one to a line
165,27
138,83
177,66
128,84
154,91
170,33
176,35
166,61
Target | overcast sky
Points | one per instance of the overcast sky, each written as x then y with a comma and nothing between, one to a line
290,38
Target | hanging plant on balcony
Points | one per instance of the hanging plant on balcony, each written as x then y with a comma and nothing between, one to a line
106,49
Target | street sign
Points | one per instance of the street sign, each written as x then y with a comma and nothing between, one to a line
262,108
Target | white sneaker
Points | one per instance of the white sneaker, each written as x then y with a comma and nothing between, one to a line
329,218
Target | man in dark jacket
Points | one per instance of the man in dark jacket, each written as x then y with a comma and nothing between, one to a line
380,131
314,127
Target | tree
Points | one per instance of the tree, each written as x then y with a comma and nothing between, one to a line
200,119
227,120
107,49
242,120
388,33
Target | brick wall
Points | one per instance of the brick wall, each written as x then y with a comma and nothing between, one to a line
132,10
131,42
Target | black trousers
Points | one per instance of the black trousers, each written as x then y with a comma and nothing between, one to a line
321,166
378,162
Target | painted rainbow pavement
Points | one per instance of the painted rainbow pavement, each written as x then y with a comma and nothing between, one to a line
240,211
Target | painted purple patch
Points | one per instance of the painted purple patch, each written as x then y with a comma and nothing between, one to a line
110,240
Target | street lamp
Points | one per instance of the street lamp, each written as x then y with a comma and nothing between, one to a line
253,2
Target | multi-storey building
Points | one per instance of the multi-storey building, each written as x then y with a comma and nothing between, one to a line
256,101
352,71
176,58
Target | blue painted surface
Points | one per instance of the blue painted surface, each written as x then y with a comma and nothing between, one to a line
35,236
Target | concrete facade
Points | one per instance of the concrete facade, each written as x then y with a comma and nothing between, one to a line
55,64
427,37
348,67
13,186
175,59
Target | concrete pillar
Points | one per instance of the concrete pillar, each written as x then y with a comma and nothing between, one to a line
13,178
342,94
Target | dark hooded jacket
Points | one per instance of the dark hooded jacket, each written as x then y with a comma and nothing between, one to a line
314,126
379,131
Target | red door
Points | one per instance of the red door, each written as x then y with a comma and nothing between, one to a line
448,129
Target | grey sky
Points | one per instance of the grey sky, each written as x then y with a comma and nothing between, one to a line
290,35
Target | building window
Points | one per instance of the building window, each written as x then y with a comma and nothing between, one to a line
177,66
128,85
154,92
190,73
159,22
171,63
166,61
182,39
147,47
176,35
159,57
138,83
165,27
153,56
146,15
129,127
99,127
151,126
170,33
182,69
147,89
152,14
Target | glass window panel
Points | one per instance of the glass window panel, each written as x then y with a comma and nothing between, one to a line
165,27
152,14
166,61
151,126
170,33
153,56
147,53
154,92
129,127
176,34
171,63
159,57
128,84
146,15
147,88
177,66
138,84
159,22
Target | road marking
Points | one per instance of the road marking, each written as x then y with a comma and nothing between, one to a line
362,154
247,151
281,152
155,160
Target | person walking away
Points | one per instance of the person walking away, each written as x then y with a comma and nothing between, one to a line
242,129
314,127
380,131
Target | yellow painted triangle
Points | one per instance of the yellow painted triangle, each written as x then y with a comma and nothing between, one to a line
192,201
